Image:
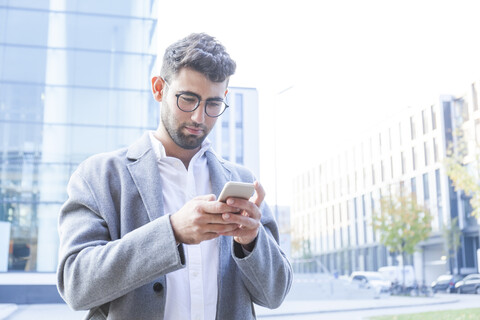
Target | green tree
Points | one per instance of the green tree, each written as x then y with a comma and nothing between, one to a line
457,170
451,235
402,223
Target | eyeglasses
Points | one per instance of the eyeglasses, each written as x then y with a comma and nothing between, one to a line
189,102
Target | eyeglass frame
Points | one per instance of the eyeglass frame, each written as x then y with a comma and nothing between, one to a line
198,102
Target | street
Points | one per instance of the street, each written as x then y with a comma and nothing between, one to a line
311,297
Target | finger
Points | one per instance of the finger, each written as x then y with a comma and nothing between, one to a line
222,228
259,195
206,197
216,207
245,222
217,219
251,208
210,235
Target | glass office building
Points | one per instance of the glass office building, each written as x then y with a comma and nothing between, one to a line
335,201
74,81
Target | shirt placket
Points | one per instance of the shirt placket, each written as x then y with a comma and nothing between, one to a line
195,262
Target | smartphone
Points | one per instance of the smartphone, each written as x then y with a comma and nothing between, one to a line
233,189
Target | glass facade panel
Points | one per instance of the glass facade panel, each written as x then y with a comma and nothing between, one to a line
28,4
24,34
413,134
72,84
22,65
439,198
239,128
434,117
475,96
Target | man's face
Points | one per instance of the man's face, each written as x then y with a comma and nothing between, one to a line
189,129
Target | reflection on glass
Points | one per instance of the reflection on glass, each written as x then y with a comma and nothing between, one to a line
73,82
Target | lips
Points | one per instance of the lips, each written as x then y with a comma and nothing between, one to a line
194,130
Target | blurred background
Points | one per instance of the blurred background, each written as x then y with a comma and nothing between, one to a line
336,106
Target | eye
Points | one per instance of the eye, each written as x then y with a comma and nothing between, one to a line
188,99
215,104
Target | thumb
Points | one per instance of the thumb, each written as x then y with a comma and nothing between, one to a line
259,195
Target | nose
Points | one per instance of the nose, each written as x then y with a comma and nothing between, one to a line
198,115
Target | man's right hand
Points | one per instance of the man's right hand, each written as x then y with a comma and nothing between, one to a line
201,219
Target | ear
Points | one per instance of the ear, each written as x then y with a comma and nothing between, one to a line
226,91
157,88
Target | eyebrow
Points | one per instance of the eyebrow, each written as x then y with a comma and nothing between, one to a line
199,97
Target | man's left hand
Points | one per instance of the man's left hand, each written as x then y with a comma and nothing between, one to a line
249,218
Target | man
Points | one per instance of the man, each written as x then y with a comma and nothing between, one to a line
142,235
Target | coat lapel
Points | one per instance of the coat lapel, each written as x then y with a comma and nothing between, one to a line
146,176
219,175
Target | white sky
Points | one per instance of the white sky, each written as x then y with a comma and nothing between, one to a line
351,63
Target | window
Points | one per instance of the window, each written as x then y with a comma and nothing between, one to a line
426,190
373,174
413,184
439,197
95,76
412,128
225,141
402,159
239,144
464,108
364,214
414,158
434,117
380,143
435,149
364,177
424,122
391,167
382,171
239,148
475,96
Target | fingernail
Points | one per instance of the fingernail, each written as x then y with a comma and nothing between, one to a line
230,201
226,216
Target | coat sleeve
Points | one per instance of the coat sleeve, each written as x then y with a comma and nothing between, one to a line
266,271
94,267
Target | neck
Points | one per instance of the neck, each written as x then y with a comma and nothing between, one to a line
172,149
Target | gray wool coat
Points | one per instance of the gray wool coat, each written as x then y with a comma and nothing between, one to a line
117,245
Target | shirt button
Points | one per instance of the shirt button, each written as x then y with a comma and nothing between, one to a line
157,287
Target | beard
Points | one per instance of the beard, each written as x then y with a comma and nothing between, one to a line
176,130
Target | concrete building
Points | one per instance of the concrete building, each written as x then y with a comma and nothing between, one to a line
235,136
335,200
75,81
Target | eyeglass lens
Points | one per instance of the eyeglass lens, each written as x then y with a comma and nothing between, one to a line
188,103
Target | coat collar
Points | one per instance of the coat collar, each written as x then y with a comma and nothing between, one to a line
144,171
145,174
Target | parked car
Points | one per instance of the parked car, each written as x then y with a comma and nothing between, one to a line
469,284
402,278
369,279
446,282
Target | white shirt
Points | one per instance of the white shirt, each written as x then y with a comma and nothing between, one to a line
191,292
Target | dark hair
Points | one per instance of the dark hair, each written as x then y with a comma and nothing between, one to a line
200,52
